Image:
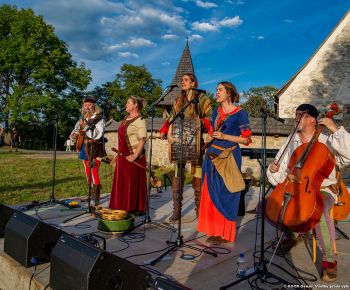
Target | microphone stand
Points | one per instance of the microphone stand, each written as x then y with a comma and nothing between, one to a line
54,155
178,243
151,111
261,269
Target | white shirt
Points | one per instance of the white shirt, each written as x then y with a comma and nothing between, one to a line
98,131
338,143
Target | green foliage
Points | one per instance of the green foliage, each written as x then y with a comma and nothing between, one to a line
132,80
38,76
261,97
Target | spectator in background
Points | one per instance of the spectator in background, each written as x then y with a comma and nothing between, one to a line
15,139
1,135
68,145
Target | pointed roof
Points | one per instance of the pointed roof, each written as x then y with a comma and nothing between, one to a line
185,66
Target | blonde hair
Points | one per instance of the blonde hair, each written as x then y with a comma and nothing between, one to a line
141,103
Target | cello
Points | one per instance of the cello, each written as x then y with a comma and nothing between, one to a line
341,208
297,203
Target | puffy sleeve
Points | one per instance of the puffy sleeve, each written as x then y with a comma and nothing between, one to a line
339,142
142,130
245,126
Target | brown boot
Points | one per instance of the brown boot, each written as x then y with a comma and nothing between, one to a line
197,186
177,199
96,192
329,271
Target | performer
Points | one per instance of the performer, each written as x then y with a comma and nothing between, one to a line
129,187
201,110
88,132
230,127
338,142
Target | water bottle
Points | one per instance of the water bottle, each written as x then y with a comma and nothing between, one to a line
241,266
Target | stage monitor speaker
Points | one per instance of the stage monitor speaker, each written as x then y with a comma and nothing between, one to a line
27,238
161,283
78,265
5,215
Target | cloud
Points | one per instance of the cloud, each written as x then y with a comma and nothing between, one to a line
132,43
170,37
235,2
99,27
204,26
206,5
165,63
288,21
127,54
195,37
231,22
260,37
216,25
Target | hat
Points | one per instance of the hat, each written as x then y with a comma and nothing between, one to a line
89,99
310,109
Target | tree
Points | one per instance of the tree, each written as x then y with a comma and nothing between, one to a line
257,98
38,78
132,80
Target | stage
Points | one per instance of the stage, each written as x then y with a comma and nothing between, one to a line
192,268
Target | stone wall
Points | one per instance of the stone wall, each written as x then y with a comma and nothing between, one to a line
160,153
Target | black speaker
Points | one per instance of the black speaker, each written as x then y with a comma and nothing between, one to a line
5,215
161,283
27,238
78,265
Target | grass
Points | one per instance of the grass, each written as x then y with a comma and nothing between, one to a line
27,176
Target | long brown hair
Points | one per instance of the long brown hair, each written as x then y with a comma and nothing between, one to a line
232,90
183,95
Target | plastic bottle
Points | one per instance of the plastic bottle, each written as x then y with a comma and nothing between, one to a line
241,266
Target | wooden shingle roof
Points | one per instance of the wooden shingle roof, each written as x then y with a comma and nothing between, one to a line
185,66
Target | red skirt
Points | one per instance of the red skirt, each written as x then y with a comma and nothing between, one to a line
129,189
211,221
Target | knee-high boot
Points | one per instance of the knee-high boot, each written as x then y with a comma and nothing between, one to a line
197,186
177,198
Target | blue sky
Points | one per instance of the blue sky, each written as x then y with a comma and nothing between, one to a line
248,42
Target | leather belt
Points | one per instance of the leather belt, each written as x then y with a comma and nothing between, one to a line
222,148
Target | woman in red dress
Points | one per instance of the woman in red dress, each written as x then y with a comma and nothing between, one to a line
129,187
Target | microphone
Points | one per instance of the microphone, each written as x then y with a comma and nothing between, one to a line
173,86
272,115
199,90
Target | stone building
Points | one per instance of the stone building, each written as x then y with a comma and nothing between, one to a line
325,78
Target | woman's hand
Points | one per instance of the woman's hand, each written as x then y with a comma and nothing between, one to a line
219,135
329,124
171,139
131,157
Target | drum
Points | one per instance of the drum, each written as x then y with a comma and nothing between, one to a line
191,140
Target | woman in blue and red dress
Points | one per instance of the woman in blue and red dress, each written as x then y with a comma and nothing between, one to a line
229,127
129,183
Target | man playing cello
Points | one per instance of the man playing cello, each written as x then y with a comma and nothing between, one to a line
337,140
